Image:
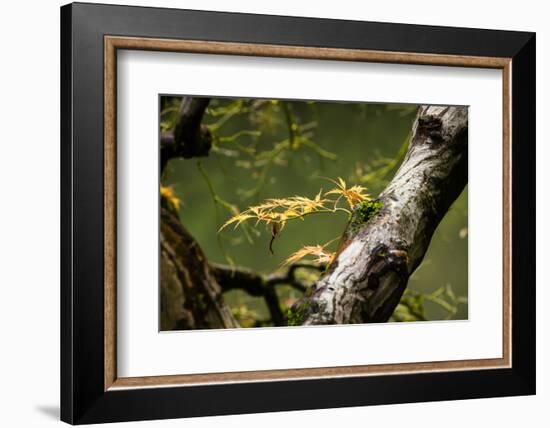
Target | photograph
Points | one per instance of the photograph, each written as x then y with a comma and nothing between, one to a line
294,213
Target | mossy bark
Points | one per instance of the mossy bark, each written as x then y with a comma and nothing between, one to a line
191,298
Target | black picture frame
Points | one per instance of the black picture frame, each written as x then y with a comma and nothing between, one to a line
83,396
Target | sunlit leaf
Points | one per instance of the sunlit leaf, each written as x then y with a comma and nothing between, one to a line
353,195
318,252
167,193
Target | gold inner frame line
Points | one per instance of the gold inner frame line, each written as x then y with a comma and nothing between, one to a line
113,43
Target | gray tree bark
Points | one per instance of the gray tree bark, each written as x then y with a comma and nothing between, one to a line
371,270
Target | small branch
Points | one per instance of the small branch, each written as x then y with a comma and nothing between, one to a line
236,277
274,306
289,277
232,278
189,138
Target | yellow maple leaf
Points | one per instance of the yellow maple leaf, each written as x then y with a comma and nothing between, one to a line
279,211
319,253
237,219
353,195
168,193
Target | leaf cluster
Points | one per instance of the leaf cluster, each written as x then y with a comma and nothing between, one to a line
275,213
280,210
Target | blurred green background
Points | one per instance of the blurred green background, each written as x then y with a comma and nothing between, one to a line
362,143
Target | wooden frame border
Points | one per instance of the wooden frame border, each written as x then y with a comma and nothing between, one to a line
113,43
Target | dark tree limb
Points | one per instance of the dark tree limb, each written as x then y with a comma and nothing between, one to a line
236,277
233,278
190,138
255,284
370,273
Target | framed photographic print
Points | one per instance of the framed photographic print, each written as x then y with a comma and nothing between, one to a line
265,213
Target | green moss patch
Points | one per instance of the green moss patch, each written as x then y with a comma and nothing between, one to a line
296,315
363,212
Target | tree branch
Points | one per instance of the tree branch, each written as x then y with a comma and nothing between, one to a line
255,284
232,278
236,277
366,280
190,138
190,296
